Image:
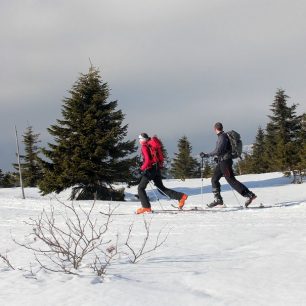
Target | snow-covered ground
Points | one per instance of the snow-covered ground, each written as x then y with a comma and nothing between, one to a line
244,257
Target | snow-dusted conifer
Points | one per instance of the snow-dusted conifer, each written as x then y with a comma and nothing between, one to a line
184,165
89,152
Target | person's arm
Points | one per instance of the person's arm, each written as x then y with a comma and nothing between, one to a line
146,158
221,146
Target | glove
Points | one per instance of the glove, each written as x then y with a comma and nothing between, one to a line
204,155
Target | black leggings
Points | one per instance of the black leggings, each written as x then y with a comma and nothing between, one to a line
154,174
225,168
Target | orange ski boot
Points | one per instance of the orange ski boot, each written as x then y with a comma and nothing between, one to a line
182,201
143,210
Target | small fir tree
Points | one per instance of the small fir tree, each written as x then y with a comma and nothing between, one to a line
258,162
281,134
30,166
8,179
207,169
282,145
183,164
89,153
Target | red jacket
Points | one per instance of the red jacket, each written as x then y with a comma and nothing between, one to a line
147,163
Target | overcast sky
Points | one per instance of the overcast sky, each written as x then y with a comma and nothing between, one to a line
175,67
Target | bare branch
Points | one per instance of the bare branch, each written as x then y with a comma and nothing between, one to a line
6,261
99,266
136,255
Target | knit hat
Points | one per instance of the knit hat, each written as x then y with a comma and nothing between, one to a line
143,136
219,126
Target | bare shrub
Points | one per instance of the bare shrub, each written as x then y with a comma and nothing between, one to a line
68,240
63,246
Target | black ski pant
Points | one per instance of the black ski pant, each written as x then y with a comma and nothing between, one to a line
225,168
154,174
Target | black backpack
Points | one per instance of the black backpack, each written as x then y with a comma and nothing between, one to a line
236,143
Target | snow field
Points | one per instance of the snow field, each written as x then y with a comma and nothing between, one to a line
244,257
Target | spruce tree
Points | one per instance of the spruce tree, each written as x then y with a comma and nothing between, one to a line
258,162
89,152
31,169
184,165
207,169
8,179
281,134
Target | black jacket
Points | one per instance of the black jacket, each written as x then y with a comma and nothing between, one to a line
223,147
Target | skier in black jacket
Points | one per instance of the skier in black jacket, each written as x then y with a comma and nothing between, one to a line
224,167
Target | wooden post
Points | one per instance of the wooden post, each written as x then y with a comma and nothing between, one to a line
18,159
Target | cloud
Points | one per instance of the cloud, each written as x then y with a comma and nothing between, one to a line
174,66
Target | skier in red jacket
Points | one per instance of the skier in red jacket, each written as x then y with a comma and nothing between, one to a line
150,168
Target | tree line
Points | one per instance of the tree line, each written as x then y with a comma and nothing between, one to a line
281,146
90,153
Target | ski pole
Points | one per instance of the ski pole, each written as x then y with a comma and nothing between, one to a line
163,193
235,196
157,198
166,195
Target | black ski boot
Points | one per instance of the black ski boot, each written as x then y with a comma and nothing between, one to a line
217,201
250,198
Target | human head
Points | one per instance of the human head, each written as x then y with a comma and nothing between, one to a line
218,127
143,137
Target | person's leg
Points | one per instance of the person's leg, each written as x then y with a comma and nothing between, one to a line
226,167
216,187
142,192
227,170
172,194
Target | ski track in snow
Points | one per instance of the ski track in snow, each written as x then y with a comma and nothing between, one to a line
244,257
